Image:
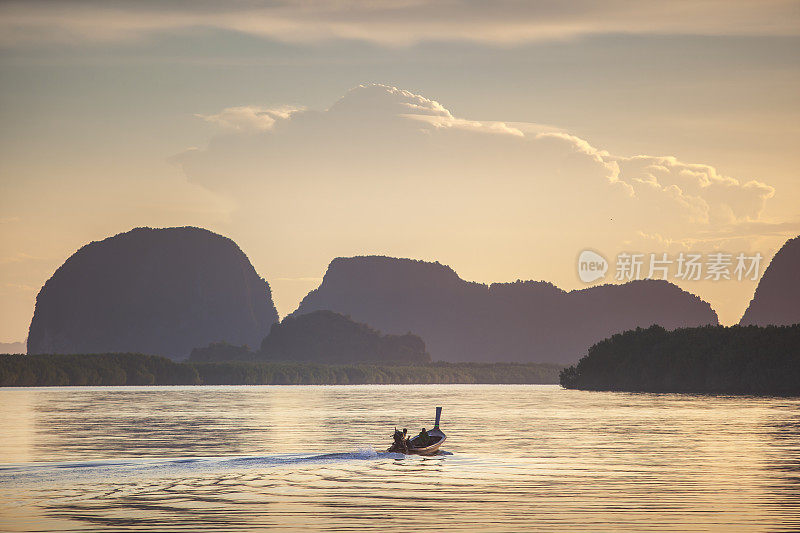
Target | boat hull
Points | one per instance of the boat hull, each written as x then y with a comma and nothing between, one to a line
433,449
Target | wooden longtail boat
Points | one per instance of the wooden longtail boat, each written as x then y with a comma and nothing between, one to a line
436,438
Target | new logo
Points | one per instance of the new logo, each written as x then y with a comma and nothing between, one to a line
591,266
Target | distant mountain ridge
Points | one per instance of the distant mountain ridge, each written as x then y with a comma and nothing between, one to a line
13,347
532,321
168,291
154,291
777,297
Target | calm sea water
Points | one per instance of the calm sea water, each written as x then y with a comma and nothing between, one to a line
517,458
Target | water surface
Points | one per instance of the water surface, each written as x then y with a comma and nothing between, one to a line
535,458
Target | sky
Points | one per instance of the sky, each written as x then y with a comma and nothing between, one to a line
500,138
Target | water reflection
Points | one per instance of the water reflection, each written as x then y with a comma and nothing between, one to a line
304,458
141,423
783,457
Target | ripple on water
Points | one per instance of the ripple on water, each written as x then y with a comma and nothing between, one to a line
309,458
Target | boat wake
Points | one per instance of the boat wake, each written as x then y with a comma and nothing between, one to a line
15,473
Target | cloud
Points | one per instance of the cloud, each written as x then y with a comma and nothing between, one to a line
392,22
249,118
385,159
378,100
710,196
749,231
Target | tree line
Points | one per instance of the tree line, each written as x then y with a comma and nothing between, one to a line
139,369
708,359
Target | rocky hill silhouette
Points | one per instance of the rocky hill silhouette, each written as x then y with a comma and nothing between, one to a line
777,297
531,321
153,291
322,337
332,338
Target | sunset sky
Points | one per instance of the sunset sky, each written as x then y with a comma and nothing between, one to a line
500,138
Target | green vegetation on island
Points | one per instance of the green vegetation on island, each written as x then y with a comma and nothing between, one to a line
138,369
93,369
710,359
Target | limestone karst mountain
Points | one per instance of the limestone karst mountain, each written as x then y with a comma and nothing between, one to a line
156,291
524,321
777,297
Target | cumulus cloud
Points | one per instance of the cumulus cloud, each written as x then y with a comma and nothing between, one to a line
386,156
393,22
379,100
710,196
249,118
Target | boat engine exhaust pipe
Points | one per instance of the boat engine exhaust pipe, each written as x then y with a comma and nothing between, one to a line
438,416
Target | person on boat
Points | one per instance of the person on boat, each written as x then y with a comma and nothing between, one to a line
422,440
400,441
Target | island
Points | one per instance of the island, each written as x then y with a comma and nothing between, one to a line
322,337
156,291
710,359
